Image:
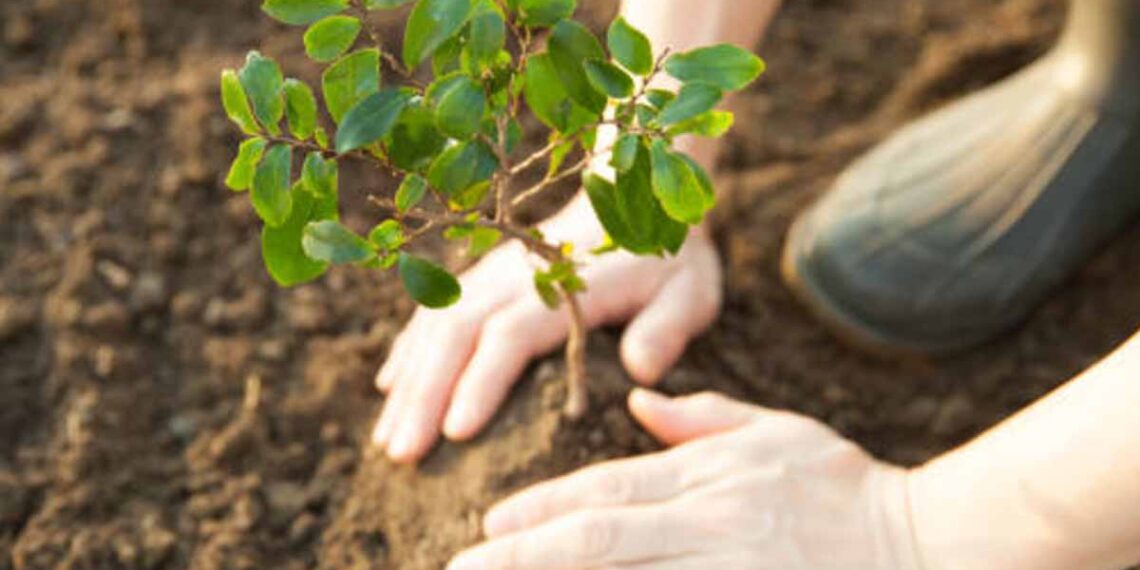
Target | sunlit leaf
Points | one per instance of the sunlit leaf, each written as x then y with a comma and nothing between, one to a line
427,283
727,66
329,38
351,79
331,242
271,197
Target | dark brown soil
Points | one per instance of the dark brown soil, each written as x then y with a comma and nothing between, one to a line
164,405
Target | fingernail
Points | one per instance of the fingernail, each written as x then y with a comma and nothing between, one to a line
645,357
643,398
383,430
455,426
400,448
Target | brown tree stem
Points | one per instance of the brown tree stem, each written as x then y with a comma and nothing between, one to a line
577,395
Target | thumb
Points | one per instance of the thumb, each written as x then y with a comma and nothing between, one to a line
674,421
657,336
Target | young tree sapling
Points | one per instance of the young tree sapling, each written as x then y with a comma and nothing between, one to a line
453,139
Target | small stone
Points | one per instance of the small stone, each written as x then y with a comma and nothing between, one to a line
104,361
149,293
304,528
16,317
183,426
953,416
119,120
12,167
19,31
273,350
286,500
108,318
117,276
245,312
918,412
186,304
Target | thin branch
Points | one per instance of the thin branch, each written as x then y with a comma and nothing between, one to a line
329,153
374,33
549,181
545,250
536,157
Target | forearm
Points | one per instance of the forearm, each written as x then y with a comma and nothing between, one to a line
682,25
1055,487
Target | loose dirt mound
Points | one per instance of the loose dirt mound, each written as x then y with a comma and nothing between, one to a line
163,405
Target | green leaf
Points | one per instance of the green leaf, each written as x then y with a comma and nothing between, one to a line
570,45
461,107
625,152
431,23
446,58
558,157
713,124
388,236
676,187
300,109
411,191
349,80
281,249
548,99
427,283
321,137
415,140
271,197
320,176
658,98
242,170
609,79
469,197
331,242
329,38
462,166
704,181
371,119
236,104
302,12
564,275
385,4
631,214
488,36
630,47
543,13
546,291
482,240
726,66
693,100
262,80
646,115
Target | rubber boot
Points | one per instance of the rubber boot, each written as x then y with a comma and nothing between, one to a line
957,226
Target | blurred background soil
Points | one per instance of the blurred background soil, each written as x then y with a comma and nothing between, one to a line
164,405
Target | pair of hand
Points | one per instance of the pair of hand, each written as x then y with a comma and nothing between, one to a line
743,488
450,370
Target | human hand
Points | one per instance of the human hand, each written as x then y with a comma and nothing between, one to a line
745,488
451,369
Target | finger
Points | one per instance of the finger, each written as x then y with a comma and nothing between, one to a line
390,415
635,481
657,336
509,339
674,421
386,376
432,377
584,540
